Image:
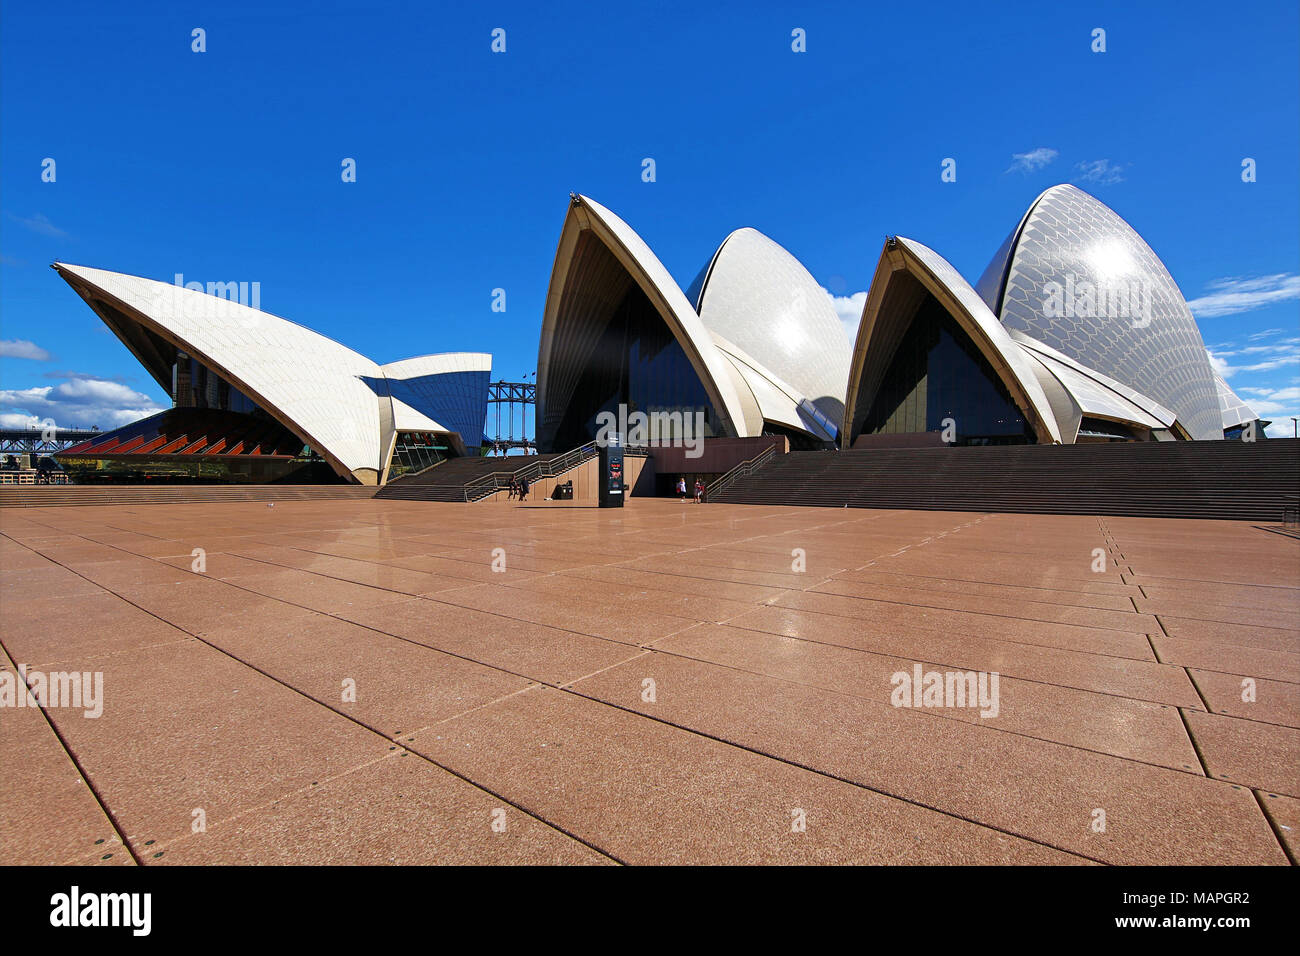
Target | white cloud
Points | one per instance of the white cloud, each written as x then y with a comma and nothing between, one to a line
1221,364
1229,359
1243,294
23,349
18,420
1100,171
849,309
80,402
1277,404
41,225
1032,160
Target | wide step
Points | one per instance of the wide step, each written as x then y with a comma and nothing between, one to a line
47,496
1225,479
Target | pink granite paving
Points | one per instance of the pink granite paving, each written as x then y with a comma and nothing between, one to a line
404,682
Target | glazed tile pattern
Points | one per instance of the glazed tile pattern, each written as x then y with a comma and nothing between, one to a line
1231,407
1069,233
761,298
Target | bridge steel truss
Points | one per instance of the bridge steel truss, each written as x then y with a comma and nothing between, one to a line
517,399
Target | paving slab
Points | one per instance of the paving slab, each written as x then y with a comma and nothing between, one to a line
1038,790
81,628
186,728
389,684
1250,698
1122,676
48,814
581,612
1122,619
400,810
649,793
1284,813
540,653
1248,752
1006,592
1286,640
1138,730
1229,658
1116,643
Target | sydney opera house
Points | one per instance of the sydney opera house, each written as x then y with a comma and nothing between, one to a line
1076,332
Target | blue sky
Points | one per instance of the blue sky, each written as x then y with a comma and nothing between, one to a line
225,165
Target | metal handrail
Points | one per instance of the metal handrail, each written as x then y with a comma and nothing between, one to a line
743,469
497,480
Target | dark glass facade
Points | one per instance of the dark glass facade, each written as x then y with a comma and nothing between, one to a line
416,451
305,469
936,374
194,385
197,445
636,362
1100,429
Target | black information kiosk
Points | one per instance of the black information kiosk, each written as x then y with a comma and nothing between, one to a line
610,463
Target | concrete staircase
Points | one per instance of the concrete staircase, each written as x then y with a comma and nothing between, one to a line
1207,479
446,480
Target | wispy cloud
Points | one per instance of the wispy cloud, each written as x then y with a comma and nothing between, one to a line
81,401
1032,160
1257,358
1278,404
21,348
1244,294
849,309
41,225
1100,171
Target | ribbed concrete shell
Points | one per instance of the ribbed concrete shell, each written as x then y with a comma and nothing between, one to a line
598,258
1095,395
906,273
336,400
766,398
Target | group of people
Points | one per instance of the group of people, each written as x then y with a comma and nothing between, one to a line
699,489
519,488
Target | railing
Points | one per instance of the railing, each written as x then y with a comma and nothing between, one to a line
496,481
743,469
30,476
